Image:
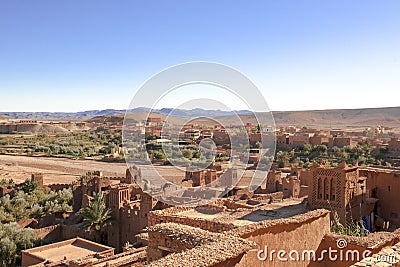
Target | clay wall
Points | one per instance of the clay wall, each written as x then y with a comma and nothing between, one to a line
51,233
374,243
157,240
309,228
170,215
384,184
69,232
58,187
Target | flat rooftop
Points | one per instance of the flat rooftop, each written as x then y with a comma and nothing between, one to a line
382,169
71,249
209,249
243,217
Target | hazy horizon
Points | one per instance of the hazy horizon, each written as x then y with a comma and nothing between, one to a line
123,110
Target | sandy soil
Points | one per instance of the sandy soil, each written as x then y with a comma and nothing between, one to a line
59,170
55,170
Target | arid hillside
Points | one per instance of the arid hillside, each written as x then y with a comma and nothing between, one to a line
338,118
335,118
341,117
41,127
133,117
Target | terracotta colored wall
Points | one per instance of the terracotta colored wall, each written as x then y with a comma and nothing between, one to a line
394,145
231,262
50,233
69,232
374,242
157,240
387,187
326,244
58,187
294,235
28,260
194,222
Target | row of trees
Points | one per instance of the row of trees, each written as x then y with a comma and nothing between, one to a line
75,144
306,154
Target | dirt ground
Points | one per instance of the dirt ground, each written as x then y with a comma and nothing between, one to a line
55,170
59,170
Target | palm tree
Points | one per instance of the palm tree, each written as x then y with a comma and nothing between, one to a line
282,157
96,217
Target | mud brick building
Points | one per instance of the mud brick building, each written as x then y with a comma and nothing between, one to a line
343,190
341,141
383,183
232,231
128,203
201,177
65,251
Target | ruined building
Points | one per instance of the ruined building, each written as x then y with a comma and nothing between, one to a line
128,203
201,177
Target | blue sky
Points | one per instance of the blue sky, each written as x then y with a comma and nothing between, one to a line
81,55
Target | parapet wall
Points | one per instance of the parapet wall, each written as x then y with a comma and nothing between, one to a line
51,233
229,204
300,233
60,232
275,197
68,232
373,242
171,215
160,242
155,218
172,244
58,187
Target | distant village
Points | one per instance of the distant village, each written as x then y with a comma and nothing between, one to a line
324,187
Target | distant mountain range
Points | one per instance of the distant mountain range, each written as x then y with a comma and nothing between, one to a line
335,118
84,115
59,116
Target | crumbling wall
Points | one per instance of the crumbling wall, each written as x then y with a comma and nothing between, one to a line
301,232
161,245
180,245
58,187
217,227
170,215
229,204
374,242
273,197
69,232
49,234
